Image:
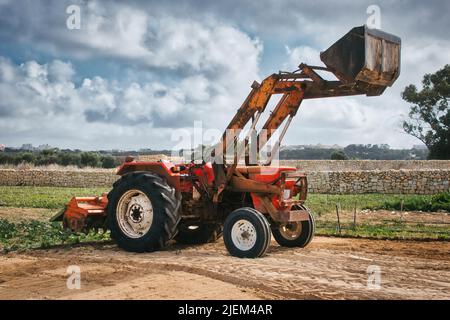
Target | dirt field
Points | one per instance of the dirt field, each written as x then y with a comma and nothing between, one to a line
330,268
23,214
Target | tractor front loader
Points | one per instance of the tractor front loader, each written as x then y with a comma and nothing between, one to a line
155,202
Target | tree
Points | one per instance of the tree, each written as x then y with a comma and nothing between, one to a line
108,162
90,159
429,116
27,157
339,155
64,158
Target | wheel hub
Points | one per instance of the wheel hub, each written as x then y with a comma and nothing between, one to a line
243,234
291,230
134,213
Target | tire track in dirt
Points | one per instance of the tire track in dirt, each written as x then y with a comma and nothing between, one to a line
328,269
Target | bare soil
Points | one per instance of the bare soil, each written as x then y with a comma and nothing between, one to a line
329,268
14,214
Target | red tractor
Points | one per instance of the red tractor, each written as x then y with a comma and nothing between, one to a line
155,202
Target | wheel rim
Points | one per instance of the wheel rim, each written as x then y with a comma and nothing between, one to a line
243,235
291,230
134,213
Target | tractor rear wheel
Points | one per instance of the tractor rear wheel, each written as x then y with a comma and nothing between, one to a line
246,233
295,234
143,212
198,233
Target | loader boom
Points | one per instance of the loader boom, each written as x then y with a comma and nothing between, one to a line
364,61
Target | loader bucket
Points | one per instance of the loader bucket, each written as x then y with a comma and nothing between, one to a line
370,58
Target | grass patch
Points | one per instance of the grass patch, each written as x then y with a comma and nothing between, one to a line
415,203
384,230
34,234
57,197
323,203
31,234
324,206
43,197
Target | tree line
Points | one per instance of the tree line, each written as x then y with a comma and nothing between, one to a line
80,159
102,159
354,151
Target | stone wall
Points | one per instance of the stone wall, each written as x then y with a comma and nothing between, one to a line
377,181
421,181
57,178
363,165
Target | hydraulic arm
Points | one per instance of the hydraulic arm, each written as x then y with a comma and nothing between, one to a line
364,61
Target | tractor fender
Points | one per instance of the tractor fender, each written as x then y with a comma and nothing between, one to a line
161,168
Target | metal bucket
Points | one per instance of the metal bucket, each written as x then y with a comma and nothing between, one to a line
370,58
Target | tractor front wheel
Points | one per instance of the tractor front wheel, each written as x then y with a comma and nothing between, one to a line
295,234
246,233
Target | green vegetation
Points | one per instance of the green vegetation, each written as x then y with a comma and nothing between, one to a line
322,203
34,234
57,197
30,234
429,116
338,155
60,157
111,159
354,151
415,203
384,230
43,197
324,206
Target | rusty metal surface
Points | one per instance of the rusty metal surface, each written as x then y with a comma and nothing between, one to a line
84,213
239,184
365,55
283,216
292,216
365,61
288,105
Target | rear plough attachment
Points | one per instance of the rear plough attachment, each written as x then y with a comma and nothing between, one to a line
83,214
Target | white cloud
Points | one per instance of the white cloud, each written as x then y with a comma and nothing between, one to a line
41,100
113,30
301,54
152,39
212,66
201,65
60,71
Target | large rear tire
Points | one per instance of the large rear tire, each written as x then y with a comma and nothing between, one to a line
295,234
143,212
198,233
246,233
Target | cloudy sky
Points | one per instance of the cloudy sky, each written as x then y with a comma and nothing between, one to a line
136,73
